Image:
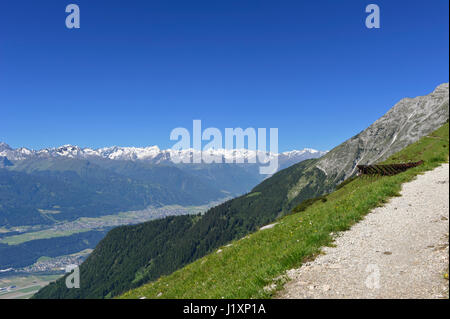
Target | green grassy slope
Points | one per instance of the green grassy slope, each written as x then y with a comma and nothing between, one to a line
244,268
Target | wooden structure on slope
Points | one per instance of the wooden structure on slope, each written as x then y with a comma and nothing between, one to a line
386,169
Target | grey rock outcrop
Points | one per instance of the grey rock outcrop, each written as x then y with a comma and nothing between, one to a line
405,123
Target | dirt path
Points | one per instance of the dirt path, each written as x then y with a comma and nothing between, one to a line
398,251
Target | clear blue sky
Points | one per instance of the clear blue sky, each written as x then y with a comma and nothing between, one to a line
137,69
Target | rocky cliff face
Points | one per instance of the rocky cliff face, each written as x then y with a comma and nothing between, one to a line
405,123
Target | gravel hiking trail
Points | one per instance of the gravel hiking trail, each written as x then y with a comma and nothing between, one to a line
399,250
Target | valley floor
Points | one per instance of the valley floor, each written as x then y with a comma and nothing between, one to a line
399,250
23,286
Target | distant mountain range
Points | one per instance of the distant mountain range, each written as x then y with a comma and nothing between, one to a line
82,182
151,154
131,256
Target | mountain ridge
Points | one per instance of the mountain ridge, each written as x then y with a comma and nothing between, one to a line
403,124
150,153
148,172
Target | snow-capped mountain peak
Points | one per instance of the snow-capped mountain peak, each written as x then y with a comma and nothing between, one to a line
4,146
